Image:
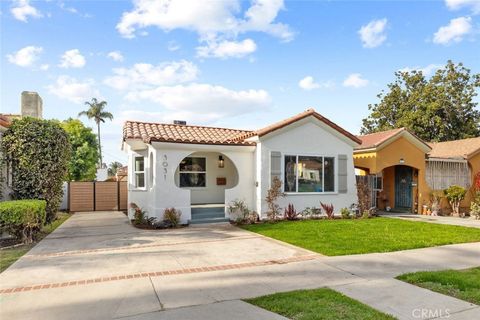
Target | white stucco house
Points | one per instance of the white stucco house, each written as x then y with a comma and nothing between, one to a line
200,170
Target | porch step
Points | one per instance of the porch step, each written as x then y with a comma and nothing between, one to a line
207,215
210,220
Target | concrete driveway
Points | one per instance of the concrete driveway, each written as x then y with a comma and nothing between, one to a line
97,266
97,260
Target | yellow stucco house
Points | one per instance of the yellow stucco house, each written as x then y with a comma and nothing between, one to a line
402,169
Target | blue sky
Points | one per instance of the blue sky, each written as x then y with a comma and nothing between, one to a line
241,64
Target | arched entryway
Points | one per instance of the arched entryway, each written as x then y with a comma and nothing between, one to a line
399,188
207,175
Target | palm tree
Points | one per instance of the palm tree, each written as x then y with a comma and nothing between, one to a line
96,111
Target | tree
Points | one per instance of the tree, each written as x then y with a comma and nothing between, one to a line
84,152
441,108
38,152
113,167
96,111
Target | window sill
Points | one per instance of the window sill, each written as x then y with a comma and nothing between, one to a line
138,189
310,193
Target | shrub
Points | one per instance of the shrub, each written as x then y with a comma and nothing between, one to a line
290,212
475,209
38,152
436,198
239,211
23,218
364,195
172,216
455,194
345,212
141,219
328,209
273,194
311,212
366,214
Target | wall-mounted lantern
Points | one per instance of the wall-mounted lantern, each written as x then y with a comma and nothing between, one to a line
221,162
402,161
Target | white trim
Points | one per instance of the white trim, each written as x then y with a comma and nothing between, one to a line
205,172
144,172
335,173
202,147
315,121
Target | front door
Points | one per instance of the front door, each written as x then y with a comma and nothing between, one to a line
403,187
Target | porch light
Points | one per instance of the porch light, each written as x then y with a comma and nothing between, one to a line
402,161
221,162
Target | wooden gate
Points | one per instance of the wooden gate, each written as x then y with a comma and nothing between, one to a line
97,196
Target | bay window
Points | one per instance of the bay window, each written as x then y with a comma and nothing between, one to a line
309,174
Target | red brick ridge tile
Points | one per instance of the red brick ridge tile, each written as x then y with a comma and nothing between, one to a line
242,265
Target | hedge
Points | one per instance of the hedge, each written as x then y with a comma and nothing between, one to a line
23,218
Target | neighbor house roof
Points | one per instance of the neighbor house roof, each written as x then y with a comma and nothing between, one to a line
4,121
457,149
377,139
149,132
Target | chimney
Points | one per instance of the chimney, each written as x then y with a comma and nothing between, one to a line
31,104
180,122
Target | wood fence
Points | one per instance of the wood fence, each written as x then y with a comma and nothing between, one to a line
97,196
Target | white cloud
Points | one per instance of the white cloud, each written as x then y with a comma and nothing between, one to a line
173,46
308,83
213,20
72,59
427,70
44,67
71,89
373,34
355,80
454,31
115,56
25,57
21,10
474,5
142,75
203,103
227,49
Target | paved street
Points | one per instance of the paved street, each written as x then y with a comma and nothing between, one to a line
97,266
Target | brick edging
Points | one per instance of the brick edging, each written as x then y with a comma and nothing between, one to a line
157,274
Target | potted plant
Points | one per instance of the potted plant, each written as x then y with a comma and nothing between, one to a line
436,198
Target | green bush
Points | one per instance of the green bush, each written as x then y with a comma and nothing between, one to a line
345,212
455,194
23,218
172,216
38,152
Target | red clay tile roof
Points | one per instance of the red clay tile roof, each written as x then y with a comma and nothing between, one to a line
149,132
4,121
160,132
463,149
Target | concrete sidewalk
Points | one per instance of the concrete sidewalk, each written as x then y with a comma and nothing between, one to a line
456,221
204,272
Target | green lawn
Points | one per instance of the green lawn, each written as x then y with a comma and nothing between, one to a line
317,304
9,256
356,236
461,284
